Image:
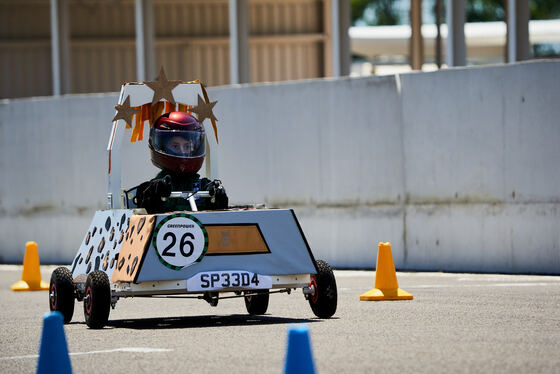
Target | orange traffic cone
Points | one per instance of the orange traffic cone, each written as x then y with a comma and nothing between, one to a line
31,276
386,285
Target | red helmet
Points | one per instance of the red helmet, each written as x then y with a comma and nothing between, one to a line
177,143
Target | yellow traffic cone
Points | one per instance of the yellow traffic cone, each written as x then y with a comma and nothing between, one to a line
386,285
31,276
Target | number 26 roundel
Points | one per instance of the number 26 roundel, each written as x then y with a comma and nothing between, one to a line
180,240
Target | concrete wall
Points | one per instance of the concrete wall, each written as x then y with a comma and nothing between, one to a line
458,169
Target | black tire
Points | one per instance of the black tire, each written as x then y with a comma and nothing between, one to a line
323,301
61,293
257,304
97,300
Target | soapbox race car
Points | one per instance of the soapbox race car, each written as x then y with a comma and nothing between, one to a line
246,252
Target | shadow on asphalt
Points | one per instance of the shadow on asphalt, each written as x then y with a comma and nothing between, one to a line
203,321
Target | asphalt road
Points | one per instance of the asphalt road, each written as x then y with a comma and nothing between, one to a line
456,323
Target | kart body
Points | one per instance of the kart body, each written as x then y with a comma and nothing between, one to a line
246,250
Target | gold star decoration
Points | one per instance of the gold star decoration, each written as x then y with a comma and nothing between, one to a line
162,88
125,112
204,110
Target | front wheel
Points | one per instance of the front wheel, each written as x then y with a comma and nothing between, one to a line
324,298
61,293
97,300
257,303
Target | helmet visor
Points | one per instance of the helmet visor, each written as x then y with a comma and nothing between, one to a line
179,143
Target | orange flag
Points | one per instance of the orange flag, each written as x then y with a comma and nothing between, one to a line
169,107
138,128
185,108
155,112
139,120
146,111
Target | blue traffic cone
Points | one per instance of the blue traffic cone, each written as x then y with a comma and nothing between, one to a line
299,359
53,352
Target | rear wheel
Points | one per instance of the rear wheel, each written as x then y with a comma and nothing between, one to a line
61,293
97,300
257,303
323,300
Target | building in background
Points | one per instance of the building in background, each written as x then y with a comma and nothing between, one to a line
53,47
82,46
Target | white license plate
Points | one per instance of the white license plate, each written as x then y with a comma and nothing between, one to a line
221,280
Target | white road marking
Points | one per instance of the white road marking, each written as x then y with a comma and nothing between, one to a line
126,349
406,287
460,277
14,267
483,285
353,273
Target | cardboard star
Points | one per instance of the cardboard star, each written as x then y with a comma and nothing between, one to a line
125,112
162,88
204,110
